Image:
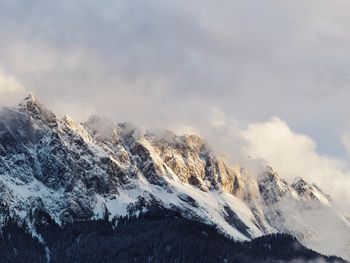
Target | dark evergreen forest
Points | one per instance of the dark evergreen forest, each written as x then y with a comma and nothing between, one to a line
156,236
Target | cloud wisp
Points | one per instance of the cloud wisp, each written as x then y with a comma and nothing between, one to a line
293,154
9,87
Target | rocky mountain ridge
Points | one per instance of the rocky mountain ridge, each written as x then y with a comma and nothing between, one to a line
84,171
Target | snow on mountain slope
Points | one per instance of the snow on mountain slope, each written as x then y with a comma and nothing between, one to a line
83,171
306,212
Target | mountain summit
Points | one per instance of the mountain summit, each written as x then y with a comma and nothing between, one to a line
99,168
36,109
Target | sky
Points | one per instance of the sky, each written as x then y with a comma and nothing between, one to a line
264,78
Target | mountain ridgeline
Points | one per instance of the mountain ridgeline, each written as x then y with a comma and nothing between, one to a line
90,175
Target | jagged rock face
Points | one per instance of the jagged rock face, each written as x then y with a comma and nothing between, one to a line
81,171
37,111
272,187
185,156
195,163
42,150
309,191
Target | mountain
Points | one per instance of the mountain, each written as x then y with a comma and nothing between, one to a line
100,169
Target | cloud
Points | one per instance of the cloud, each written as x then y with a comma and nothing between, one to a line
9,84
293,154
10,88
345,138
157,62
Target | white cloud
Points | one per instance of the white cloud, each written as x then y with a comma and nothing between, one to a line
293,154
345,138
9,84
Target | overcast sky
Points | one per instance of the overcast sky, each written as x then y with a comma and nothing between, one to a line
215,67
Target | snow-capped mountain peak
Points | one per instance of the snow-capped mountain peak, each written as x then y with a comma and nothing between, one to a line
310,191
76,171
272,187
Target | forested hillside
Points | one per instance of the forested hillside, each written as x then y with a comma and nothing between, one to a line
156,236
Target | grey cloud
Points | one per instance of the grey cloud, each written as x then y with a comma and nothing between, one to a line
167,63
